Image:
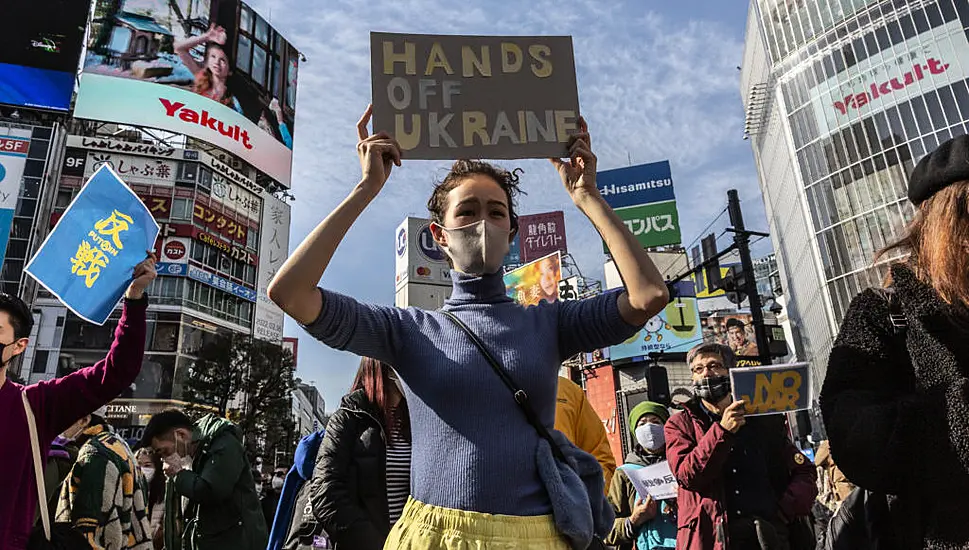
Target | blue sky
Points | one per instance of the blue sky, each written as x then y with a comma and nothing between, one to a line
657,80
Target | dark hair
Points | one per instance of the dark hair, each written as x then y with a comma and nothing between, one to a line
712,348
463,169
935,241
162,423
734,322
156,487
203,80
373,377
21,320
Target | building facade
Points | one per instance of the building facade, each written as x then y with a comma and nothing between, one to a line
842,98
308,409
222,237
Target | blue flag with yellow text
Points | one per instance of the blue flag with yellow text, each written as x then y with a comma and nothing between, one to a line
88,259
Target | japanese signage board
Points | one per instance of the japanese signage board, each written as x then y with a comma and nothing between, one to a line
220,222
235,197
273,251
132,169
221,283
498,97
231,250
675,330
654,224
418,259
108,145
87,261
541,235
175,250
535,282
169,64
773,389
656,480
13,157
635,185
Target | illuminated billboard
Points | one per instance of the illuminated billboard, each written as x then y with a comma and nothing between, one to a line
210,69
41,46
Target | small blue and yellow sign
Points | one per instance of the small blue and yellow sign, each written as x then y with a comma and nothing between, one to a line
773,389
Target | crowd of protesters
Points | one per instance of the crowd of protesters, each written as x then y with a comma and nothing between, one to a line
458,432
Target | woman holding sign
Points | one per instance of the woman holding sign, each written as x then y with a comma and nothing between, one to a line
483,470
896,395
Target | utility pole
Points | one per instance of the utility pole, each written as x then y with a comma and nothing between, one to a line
741,240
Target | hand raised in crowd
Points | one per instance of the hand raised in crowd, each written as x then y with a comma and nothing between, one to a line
143,276
215,34
378,154
643,511
579,173
733,417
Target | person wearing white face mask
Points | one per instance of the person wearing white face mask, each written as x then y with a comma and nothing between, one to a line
151,468
486,467
641,522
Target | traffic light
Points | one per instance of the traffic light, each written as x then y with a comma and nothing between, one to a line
658,384
734,285
712,271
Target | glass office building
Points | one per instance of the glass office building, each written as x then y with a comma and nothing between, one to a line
842,98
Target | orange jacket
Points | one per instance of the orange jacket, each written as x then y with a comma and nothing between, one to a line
575,418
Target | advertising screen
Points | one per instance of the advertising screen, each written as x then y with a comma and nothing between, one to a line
41,46
210,69
535,282
675,330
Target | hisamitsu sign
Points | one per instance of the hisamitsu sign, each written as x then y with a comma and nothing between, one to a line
773,389
635,185
88,259
500,97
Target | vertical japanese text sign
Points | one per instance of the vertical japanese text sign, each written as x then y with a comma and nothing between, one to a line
88,259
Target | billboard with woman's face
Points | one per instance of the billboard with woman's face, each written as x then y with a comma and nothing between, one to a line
214,70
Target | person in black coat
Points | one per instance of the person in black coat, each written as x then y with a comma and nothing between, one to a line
895,400
362,475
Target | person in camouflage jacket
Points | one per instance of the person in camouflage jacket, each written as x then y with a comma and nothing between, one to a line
105,496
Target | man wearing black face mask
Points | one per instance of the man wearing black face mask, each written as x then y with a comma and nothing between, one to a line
741,480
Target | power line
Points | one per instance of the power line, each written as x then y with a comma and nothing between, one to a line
687,248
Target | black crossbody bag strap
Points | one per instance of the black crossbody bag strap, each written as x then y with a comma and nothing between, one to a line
520,396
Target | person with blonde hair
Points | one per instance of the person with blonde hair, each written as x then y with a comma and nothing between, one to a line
895,399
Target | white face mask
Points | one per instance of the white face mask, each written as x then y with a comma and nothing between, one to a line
149,472
258,488
478,248
277,483
651,437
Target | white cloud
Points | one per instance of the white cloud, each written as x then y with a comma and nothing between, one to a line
654,85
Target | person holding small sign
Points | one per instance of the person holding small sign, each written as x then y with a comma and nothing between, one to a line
742,482
895,399
642,523
484,471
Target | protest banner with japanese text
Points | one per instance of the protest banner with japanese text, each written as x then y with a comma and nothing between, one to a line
498,97
656,480
88,259
773,389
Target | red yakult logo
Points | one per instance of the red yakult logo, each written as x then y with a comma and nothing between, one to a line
877,90
231,131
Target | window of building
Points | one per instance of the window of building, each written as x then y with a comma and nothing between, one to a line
252,239
187,173
40,361
182,209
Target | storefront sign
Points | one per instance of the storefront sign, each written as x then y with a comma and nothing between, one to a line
220,283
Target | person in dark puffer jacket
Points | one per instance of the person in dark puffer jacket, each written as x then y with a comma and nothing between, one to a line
362,476
895,399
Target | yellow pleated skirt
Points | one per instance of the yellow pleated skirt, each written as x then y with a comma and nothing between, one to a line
425,527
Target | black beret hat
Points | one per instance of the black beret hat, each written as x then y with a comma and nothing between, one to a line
946,165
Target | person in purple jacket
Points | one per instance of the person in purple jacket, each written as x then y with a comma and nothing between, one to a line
57,403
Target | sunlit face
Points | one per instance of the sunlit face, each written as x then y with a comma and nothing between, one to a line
707,365
144,461
649,419
7,337
217,63
736,336
477,197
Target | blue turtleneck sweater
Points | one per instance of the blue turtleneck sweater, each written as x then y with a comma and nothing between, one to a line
473,449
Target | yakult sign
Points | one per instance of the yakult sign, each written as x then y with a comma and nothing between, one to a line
931,60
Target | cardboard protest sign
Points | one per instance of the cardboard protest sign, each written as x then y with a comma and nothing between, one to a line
498,97
88,259
773,389
656,480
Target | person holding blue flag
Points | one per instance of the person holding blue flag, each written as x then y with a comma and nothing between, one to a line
57,404
641,522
